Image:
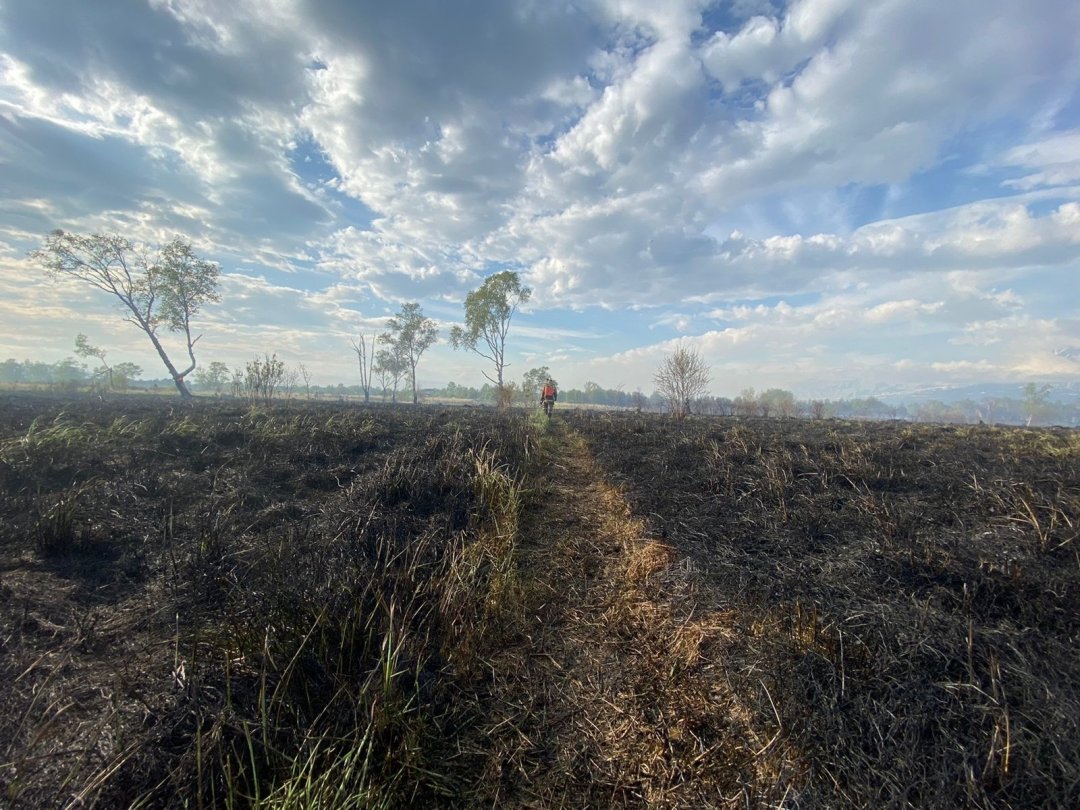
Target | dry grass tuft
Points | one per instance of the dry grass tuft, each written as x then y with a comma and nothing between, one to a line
649,558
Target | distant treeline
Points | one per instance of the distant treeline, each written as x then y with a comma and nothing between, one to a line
1035,407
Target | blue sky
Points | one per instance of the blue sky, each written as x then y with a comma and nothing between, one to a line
830,196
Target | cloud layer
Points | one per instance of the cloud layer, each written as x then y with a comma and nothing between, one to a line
797,177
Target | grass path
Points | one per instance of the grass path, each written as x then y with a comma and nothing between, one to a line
609,689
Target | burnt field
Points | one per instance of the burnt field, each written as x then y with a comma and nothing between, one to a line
209,605
906,598
214,605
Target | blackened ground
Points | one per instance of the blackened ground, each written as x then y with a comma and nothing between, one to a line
910,593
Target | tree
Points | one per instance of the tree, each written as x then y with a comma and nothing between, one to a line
262,378
683,376
488,311
305,375
84,349
214,376
390,367
1035,397
168,290
237,382
410,336
777,400
365,356
745,403
124,373
288,382
68,372
12,371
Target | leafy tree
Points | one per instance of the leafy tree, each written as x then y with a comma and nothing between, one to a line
778,401
389,367
124,373
683,376
12,371
215,376
488,311
168,290
84,349
409,337
67,372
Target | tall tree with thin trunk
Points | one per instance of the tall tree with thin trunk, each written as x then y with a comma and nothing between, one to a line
410,335
682,378
365,357
166,290
488,311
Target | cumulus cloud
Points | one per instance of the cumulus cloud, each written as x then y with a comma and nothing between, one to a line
688,158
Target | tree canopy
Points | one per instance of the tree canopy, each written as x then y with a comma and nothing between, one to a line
167,289
488,311
410,335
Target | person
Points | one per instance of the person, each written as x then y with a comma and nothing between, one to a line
548,395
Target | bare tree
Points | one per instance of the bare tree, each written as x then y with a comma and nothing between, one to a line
365,356
262,379
237,383
305,375
683,377
746,403
168,290
288,382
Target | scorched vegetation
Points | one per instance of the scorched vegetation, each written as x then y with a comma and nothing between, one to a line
217,604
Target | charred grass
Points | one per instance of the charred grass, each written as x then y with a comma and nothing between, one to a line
214,606
370,607
887,613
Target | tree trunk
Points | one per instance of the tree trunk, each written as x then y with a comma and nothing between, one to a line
177,378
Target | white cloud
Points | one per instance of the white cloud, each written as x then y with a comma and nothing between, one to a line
621,155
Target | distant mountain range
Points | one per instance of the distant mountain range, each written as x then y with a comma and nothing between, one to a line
1067,392
910,394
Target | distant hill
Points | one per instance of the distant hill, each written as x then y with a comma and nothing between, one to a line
1066,393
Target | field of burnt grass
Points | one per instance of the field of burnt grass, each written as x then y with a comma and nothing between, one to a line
897,605
324,605
209,605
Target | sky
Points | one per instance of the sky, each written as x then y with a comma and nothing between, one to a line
836,197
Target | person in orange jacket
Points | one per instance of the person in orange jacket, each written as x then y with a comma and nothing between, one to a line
548,395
